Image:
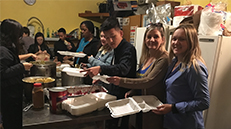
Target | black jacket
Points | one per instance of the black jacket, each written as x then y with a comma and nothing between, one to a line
34,48
124,66
90,49
60,46
11,88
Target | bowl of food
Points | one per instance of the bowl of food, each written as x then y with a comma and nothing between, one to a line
47,82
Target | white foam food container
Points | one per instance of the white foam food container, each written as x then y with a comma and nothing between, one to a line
79,105
75,54
101,78
87,103
132,105
73,71
102,98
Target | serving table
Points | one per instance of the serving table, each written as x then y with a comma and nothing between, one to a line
44,119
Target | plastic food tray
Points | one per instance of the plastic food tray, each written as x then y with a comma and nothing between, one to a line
101,78
75,54
87,103
74,72
132,105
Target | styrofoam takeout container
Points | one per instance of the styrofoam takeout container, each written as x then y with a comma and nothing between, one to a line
132,105
101,78
74,72
75,54
87,103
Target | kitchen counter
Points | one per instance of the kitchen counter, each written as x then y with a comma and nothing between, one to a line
44,119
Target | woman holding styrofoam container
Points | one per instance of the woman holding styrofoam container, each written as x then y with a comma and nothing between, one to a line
186,81
152,69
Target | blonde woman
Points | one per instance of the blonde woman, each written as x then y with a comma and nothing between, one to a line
152,69
186,82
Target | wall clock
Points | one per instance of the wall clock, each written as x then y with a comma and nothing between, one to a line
30,2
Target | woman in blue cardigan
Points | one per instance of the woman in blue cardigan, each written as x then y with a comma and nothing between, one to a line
104,55
186,82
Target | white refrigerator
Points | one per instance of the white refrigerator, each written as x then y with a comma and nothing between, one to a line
216,51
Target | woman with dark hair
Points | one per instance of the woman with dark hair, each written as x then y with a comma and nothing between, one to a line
11,74
39,47
88,44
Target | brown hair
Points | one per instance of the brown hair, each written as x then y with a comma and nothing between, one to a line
193,53
145,51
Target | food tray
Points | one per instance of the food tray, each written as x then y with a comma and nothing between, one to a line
101,78
75,54
83,90
87,103
79,105
132,105
74,71
102,98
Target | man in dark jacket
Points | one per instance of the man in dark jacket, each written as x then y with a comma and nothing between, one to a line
64,44
123,63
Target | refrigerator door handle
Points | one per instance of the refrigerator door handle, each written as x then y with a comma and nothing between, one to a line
206,40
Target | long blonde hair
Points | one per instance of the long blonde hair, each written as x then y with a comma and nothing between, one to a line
193,52
145,50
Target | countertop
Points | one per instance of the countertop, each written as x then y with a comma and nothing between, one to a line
43,119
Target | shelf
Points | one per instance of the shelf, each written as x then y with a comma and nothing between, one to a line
51,39
99,17
88,15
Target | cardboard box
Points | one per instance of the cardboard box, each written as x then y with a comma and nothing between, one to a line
129,27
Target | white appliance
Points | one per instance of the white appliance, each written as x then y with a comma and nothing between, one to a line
216,51
139,38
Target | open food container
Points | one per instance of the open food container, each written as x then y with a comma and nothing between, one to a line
87,103
47,82
75,54
132,105
72,76
80,90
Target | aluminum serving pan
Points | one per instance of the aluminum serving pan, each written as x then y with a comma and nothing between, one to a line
80,90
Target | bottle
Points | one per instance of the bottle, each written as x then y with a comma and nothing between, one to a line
37,96
53,34
48,33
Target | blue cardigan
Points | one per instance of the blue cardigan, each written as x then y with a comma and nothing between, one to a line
100,59
188,90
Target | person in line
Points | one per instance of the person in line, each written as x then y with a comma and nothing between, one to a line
152,69
26,40
88,45
11,74
64,44
123,64
40,47
104,55
186,81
